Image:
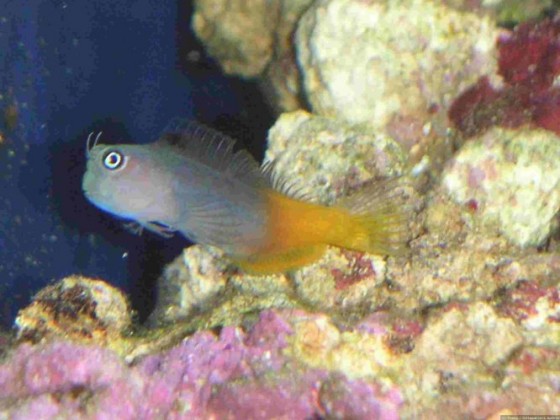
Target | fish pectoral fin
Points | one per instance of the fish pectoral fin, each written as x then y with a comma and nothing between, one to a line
133,227
158,228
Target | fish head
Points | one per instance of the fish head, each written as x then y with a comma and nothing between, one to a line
124,180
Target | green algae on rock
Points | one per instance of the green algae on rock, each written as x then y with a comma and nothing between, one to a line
516,11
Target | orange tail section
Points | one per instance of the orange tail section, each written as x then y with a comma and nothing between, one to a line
299,232
378,219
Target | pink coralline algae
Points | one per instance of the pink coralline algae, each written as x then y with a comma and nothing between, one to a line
360,268
529,63
233,375
520,303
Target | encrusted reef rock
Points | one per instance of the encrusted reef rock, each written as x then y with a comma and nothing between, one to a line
190,283
404,57
468,343
392,66
254,37
327,158
235,374
295,364
511,178
459,359
525,91
239,33
76,308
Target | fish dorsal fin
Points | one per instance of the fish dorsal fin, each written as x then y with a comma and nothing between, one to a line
213,149
286,186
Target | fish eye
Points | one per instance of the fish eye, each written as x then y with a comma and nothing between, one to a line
113,160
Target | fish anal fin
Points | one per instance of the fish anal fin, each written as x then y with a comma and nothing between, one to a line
271,263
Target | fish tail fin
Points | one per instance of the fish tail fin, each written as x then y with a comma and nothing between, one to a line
299,232
377,221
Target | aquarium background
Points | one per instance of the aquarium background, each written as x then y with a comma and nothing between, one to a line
68,68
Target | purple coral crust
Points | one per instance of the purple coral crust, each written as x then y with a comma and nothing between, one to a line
529,63
234,375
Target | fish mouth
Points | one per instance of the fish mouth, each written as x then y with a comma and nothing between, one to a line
88,186
87,194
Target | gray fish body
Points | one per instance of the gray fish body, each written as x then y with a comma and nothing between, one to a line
191,182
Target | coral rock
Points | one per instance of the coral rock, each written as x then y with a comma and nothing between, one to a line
537,308
204,376
328,157
238,33
529,64
76,307
514,178
189,283
254,38
369,61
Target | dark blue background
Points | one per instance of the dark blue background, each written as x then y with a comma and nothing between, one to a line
72,67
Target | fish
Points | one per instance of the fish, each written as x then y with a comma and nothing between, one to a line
192,180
